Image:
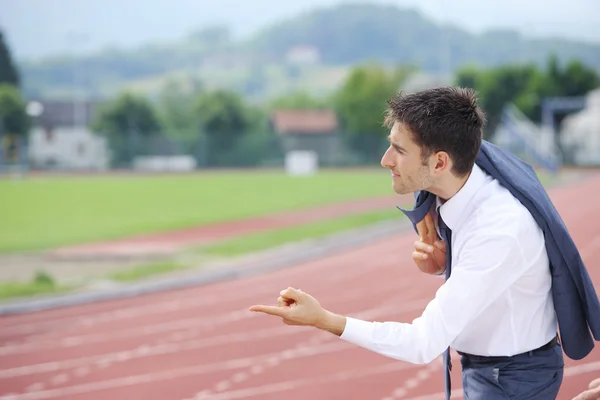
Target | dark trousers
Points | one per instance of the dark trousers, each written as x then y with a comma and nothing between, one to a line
535,375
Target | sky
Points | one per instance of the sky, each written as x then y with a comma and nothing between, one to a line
39,28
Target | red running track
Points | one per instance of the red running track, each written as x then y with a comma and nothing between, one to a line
202,343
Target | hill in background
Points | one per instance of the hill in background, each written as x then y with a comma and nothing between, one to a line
312,52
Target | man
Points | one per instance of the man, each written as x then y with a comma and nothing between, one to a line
495,307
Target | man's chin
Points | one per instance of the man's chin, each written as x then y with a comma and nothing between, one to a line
401,190
405,190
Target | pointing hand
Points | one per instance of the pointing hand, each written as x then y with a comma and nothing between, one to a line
295,307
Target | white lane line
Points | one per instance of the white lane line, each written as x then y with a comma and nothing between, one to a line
207,296
456,394
135,332
396,304
327,379
584,368
172,374
144,350
248,363
410,384
171,348
206,322
357,374
84,363
574,370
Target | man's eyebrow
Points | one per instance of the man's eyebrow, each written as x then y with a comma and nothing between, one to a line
396,146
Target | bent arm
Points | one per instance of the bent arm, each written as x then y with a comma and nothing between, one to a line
477,280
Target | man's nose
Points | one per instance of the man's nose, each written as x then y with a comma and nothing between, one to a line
387,161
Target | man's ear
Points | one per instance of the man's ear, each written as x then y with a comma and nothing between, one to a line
442,162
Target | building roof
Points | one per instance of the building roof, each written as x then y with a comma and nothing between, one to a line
304,121
64,113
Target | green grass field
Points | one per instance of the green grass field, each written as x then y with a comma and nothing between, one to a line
45,212
260,241
40,213
264,240
43,283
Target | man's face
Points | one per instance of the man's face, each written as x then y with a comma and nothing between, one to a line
403,159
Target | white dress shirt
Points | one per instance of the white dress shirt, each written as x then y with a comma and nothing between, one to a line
497,301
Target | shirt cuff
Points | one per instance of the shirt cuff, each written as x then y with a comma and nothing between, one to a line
357,331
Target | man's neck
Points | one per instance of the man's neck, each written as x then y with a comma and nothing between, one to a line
446,190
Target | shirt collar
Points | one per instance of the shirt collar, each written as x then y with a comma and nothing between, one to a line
454,209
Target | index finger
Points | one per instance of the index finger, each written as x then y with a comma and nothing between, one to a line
272,310
421,230
430,227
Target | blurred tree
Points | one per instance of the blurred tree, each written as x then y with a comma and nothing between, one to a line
525,86
224,119
8,71
361,102
125,114
175,110
14,122
298,100
575,79
125,121
13,111
499,86
470,76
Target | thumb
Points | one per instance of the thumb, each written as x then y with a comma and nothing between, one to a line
291,293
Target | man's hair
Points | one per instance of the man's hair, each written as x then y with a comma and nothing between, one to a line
441,119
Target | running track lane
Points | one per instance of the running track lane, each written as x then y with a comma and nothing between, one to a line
202,343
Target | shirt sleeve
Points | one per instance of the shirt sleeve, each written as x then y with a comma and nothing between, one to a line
485,268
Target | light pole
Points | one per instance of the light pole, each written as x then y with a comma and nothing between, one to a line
33,109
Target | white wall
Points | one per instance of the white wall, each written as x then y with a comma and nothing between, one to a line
67,148
580,132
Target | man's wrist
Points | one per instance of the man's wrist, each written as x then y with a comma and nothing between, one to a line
332,323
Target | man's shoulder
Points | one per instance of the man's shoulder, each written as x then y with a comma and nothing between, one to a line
496,210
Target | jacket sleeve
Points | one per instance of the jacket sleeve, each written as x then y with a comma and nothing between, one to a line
423,203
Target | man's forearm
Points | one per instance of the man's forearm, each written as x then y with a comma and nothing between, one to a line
332,323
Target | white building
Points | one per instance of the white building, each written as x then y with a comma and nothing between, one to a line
531,142
61,138
72,148
580,133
